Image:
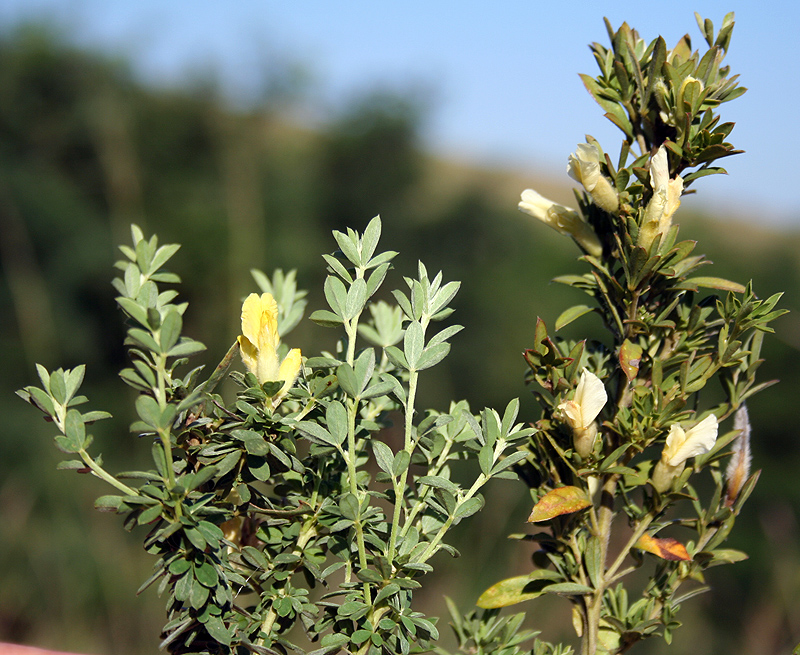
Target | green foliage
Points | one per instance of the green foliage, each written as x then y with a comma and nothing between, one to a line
610,437
265,467
252,504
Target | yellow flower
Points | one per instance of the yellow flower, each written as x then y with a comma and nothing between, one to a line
582,410
259,343
681,445
563,219
584,167
665,201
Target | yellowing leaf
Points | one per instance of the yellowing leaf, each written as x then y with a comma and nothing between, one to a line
564,500
630,355
666,548
516,590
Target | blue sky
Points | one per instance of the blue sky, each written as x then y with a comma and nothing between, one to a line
503,75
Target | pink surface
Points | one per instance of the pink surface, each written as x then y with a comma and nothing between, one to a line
13,649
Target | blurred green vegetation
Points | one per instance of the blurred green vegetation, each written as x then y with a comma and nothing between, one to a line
86,149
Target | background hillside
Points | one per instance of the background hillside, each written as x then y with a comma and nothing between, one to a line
86,149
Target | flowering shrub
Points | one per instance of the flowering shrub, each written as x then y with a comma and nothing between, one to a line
288,515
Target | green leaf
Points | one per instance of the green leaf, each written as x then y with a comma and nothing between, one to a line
150,514
315,432
347,380
438,482
571,314
432,355
58,387
383,455
401,462
568,589
170,330
325,318
413,342
75,429
593,559
369,241
348,505
336,295
336,418
185,348
468,508
348,246
216,628
108,503
356,298
716,283
73,380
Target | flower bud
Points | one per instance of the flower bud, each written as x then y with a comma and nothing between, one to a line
584,167
665,201
739,465
563,219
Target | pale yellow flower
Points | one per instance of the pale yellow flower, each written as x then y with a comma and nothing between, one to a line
581,412
682,445
665,201
584,167
563,219
259,343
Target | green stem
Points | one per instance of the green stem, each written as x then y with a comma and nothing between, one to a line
594,603
408,446
351,474
101,473
641,528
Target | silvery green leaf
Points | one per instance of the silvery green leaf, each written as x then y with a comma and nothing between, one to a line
336,295
170,330
336,418
364,368
413,342
468,508
315,432
338,268
509,416
445,334
376,278
444,296
348,245
383,455
401,462
356,299
73,380
162,255
369,241
432,355
325,318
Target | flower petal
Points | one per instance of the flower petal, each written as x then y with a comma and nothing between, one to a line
696,441
591,396
249,354
290,368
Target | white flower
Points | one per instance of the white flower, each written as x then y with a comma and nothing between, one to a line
665,201
584,167
563,219
582,410
681,445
